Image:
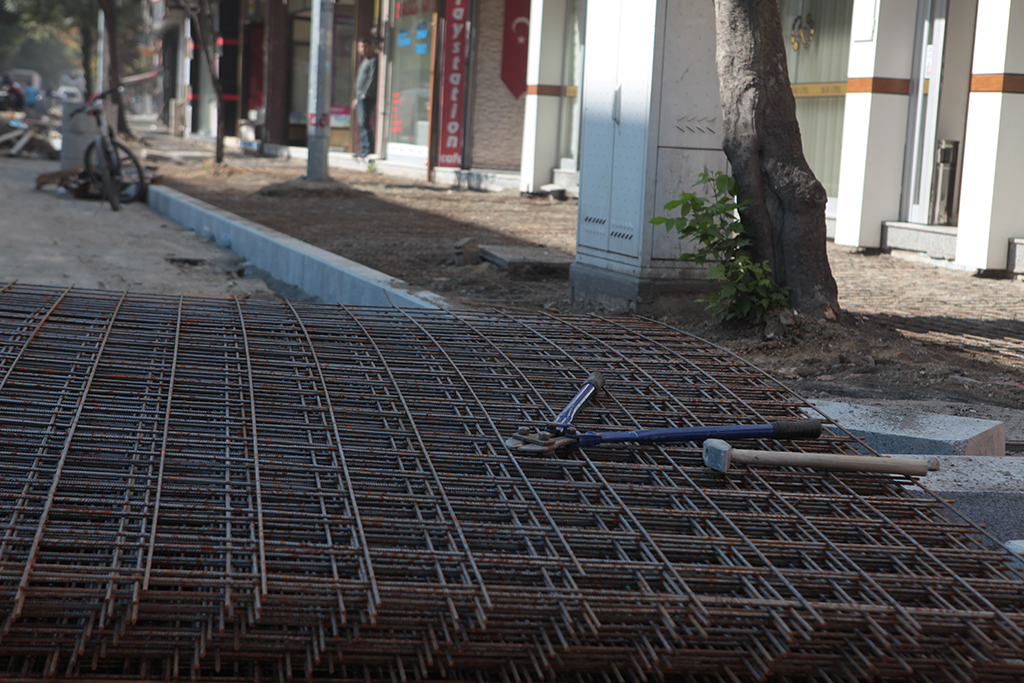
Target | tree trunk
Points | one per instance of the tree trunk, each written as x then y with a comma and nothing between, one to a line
114,64
786,214
88,48
202,24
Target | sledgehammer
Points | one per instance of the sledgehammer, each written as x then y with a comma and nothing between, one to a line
720,456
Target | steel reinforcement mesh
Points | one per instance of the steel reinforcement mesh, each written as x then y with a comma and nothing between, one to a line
218,489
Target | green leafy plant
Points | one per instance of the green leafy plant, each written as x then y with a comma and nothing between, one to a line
747,290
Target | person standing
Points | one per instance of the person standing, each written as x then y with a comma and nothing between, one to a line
366,96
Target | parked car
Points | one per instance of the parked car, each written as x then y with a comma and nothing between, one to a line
69,93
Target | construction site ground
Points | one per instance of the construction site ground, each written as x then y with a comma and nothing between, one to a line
926,338
920,337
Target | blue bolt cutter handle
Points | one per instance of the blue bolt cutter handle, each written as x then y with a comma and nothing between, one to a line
804,429
564,420
543,443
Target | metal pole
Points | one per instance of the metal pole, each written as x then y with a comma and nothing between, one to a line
101,53
318,124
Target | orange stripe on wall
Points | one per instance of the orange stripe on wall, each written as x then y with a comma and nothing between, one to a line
555,90
886,86
1013,83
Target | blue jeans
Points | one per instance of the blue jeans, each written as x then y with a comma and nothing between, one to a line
364,109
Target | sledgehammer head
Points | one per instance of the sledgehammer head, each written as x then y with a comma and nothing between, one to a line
717,455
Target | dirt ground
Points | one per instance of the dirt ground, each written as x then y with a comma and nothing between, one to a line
408,229
399,226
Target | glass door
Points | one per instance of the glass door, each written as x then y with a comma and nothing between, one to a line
925,89
412,60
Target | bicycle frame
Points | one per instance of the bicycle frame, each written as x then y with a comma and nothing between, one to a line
109,161
105,136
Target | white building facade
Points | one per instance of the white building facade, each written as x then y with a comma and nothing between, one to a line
910,113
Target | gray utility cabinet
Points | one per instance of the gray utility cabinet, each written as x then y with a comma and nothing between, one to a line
651,124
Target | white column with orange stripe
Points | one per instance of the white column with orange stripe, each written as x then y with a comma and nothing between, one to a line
875,122
543,94
993,170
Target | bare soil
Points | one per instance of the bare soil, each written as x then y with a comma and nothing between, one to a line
408,229
399,226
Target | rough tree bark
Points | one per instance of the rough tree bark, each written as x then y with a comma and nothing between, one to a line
786,214
202,25
88,48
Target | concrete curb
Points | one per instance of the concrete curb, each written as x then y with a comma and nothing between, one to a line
333,278
981,473
890,431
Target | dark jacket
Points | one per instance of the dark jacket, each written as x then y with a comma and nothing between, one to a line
366,79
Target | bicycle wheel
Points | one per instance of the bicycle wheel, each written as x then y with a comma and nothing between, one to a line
92,166
110,187
133,178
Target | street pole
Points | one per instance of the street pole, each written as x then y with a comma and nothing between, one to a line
318,125
101,53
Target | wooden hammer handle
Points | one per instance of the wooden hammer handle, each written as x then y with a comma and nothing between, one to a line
829,461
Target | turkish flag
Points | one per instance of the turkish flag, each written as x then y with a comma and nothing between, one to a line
515,46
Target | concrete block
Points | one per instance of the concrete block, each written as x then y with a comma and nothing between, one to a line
1001,513
570,180
475,179
523,262
938,241
1003,473
596,285
555,190
316,271
467,252
889,431
1018,548
1015,256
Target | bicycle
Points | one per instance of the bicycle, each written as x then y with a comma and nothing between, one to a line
109,163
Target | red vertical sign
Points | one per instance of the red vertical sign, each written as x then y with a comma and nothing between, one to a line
453,83
515,46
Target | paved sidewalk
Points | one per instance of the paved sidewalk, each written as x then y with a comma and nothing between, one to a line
49,238
935,304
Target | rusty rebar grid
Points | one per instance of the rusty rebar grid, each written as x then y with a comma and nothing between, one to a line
219,489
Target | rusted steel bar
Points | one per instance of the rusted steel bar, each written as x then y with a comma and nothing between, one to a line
236,490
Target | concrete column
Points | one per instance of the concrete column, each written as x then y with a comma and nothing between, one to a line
321,56
875,124
993,168
543,93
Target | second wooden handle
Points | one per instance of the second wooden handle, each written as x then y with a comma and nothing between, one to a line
829,461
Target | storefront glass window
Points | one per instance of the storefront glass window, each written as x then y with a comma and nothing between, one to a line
344,54
412,57
817,38
299,77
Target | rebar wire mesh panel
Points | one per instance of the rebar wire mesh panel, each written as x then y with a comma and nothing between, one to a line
219,489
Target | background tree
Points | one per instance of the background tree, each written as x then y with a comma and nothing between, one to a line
51,50
786,213
11,35
202,26
122,25
68,15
